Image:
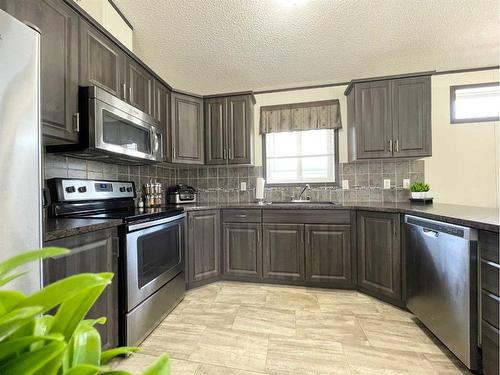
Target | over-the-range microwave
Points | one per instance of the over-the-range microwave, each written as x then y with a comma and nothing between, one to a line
114,131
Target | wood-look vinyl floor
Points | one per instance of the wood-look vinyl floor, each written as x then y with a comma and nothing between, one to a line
231,328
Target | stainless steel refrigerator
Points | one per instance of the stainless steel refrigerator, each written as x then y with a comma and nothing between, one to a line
20,143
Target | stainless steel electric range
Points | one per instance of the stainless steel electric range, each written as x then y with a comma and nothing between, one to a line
152,249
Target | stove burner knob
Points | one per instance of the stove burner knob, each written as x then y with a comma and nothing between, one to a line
70,189
129,189
122,190
82,189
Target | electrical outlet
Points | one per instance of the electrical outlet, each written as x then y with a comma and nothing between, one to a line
406,183
345,184
243,186
387,183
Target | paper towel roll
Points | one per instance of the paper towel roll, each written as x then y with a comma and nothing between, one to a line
259,188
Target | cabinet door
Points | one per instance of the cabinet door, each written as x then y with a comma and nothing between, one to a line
373,120
58,26
215,131
101,61
328,254
379,254
283,251
187,129
239,129
204,250
139,85
91,252
242,250
411,116
162,114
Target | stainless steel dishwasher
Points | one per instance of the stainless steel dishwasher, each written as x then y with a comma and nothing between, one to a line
442,283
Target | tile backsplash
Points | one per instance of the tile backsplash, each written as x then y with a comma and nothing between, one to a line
222,184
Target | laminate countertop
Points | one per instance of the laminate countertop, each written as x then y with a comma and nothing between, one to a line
54,229
475,217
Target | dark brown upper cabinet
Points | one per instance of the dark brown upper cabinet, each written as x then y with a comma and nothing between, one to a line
58,25
228,129
187,129
389,118
139,86
162,114
328,254
101,61
379,254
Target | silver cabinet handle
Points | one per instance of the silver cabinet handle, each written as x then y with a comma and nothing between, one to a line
76,116
124,92
231,155
173,152
397,145
130,94
242,215
224,154
390,145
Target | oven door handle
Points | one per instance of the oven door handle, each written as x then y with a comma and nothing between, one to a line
149,224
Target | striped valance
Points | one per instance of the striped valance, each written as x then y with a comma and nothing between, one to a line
300,116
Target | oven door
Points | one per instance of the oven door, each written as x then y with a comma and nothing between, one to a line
154,256
124,132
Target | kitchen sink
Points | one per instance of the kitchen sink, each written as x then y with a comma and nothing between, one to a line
304,202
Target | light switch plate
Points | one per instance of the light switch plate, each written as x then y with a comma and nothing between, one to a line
345,184
387,183
406,183
243,186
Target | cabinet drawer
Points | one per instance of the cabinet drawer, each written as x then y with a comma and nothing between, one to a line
241,216
489,276
490,349
490,304
306,216
488,244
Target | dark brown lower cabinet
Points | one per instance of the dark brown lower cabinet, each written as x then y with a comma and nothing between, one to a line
91,252
283,252
204,247
379,254
242,250
328,254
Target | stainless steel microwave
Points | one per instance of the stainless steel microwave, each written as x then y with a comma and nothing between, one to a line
113,130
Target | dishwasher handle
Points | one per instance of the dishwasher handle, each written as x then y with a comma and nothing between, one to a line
430,232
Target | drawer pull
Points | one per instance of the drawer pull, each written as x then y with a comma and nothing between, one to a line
241,215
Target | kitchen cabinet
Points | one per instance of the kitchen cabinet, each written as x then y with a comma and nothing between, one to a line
204,247
228,129
139,86
91,252
242,251
283,252
58,25
162,114
101,61
490,300
187,129
328,254
389,118
379,255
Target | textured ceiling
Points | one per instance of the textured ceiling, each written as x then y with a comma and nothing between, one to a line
216,46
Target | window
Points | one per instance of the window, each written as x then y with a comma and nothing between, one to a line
475,103
301,156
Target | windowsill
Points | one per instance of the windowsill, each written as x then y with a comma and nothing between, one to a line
302,184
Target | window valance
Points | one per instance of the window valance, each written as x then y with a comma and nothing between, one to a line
300,116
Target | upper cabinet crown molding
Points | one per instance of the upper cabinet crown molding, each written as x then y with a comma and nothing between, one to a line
389,118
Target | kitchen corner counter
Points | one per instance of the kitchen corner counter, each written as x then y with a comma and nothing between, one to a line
54,229
475,217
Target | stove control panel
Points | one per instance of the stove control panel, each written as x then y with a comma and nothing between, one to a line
70,190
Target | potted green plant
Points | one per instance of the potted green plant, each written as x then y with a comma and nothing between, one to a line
36,342
419,190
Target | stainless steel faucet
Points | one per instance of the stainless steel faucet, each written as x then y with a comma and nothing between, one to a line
307,187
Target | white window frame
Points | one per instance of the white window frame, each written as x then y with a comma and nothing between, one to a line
453,89
333,163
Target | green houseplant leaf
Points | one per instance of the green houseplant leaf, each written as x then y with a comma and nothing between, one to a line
108,355
15,319
160,367
9,348
9,299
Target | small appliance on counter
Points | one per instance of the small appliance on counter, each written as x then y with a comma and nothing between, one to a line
181,193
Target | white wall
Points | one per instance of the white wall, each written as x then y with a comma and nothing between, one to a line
104,13
464,167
